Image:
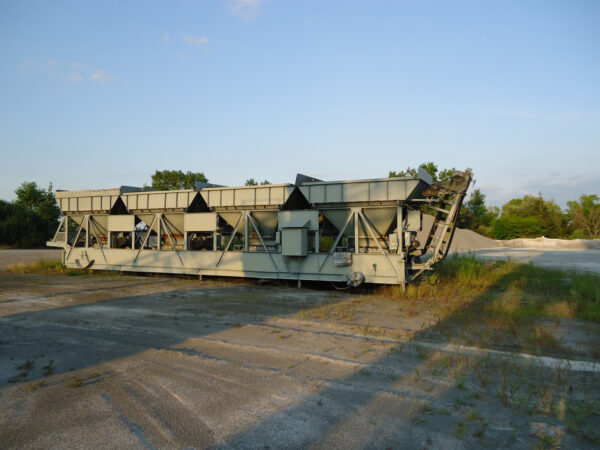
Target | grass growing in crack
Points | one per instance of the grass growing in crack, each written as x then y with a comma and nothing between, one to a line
48,369
547,441
24,369
461,430
579,417
37,385
75,382
365,372
342,311
26,366
474,416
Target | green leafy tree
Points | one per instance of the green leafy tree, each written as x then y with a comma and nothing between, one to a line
584,216
253,182
513,227
475,215
430,167
166,180
22,227
39,200
554,222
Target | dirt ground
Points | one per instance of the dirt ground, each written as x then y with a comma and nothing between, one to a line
18,256
137,362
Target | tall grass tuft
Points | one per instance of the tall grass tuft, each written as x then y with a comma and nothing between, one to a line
502,304
45,266
56,267
506,288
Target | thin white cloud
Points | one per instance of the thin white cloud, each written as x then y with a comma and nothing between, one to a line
526,114
101,76
246,9
165,38
75,77
58,71
197,41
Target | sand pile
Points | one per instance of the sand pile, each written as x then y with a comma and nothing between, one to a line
464,240
468,241
547,243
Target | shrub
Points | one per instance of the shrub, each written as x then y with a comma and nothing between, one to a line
512,227
22,227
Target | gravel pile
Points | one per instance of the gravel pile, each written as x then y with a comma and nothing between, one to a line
464,240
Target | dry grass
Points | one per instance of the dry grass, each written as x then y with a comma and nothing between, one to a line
499,304
55,267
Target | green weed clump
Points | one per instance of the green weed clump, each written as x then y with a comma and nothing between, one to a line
75,382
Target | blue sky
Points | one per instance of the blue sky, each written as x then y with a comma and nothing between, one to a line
101,94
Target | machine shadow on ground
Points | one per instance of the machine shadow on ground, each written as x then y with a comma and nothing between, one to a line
78,336
388,390
448,400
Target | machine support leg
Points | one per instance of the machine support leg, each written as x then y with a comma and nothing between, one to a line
368,227
246,233
337,239
145,240
169,235
87,231
249,216
76,238
98,240
230,240
356,237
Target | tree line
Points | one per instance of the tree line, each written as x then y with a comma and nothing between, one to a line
528,217
32,218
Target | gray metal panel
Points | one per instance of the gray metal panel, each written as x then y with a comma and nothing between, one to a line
267,221
121,223
376,190
159,200
342,259
298,219
200,222
294,242
414,220
245,197
232,219
99,200
425,176
338,218
380,218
